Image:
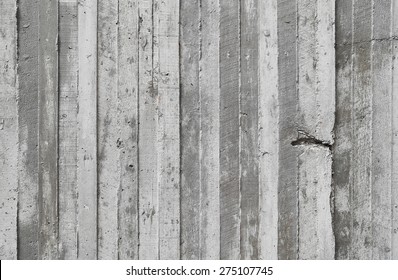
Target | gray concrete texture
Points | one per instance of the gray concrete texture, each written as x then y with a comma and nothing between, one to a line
198,129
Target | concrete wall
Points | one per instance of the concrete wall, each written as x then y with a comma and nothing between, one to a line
200,129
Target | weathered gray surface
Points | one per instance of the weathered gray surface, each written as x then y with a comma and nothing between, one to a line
109,142
343,130
68,105
8,130
206,129
48,129
268,129
249,179
28,42
128,47
190,131
365,151
117,130
316,103
394,140
148,213
229,129
287,102
209,91
168,136
87,176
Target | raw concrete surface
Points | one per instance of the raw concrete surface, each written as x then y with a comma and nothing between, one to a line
198,129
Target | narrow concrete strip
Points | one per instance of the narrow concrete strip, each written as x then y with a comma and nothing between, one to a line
8,130
68,82
87,130
48,129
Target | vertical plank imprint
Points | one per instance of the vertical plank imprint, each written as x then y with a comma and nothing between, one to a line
209,91
361,204
342,159
147,126
190,30
167,28
249,180
109,142
87,130
8,130
229,129
268,125
316,105
128,128
68,71
287,100
381,130
48,129
28,41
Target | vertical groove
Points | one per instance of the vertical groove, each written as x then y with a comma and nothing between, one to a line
351,178
155,77
200,130
392,131
371,129
239,159
138,130
120,187
394,106
394,119
297,78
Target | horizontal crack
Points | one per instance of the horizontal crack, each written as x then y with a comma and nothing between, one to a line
307,139
312,142
392,38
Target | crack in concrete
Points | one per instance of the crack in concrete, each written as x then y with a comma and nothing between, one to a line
312,142
391,38
305,139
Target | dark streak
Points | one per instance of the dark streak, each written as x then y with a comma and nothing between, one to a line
311,141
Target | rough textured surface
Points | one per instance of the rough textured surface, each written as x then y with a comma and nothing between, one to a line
109,141
365,156
168,137
8,131
268,129
67,171
28,43
87,131
203,129
209,91
48,127
128,129
229,129
148,213
190,132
